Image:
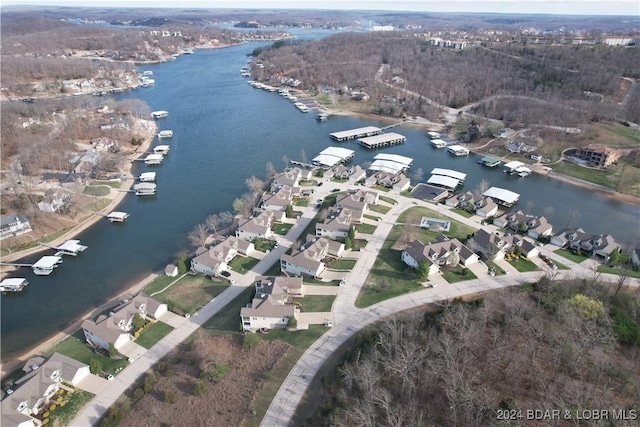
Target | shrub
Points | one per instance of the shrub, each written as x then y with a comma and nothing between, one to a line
292,322
170,396
250,340
45,415
95,366
61,391
63,403
45,421
200,388
149,381
52,407
138,393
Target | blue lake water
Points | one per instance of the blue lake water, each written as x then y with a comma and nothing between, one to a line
224,132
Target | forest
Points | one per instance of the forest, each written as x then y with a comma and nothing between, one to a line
558,85
551,345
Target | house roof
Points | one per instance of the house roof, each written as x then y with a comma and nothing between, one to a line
488,240
309,258
259,224
282,197
6,220
338,219
419,251
266,305
219,252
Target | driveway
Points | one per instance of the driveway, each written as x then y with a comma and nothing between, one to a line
172,319
93,384
315,318
321,290
132,350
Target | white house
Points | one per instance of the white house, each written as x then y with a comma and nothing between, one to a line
337,224
534,226
54,200
444,251
278,200
257,227
290,178
272,304
490,245
309,260
214,261
13,225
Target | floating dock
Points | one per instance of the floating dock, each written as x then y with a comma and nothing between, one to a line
70,247
392,163
45,265
450,173
15,284
356,133
165,134
458,150
117,216
159,114
445,182
438,143
382,140
154,159
144,189
490,162
161,149
517,168
502,197
332,156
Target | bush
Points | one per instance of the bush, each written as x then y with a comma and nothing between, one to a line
138,393
52,407
45,421
95,366
149,381
170,396
250,340
200,388
292,322
45,415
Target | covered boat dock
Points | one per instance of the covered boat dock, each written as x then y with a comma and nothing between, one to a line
70,247
392,163
356,133
502,197
444,182
382,140
332,156
450,173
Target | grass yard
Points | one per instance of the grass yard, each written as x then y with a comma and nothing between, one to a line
301,201
459,275
263,245
158,284
366,228
380,209
112,184
310,281
381,188
76,348
62,416
371,217
227,320
242,264
192,292
523,265
595,176
358,244
308,183
560,265
388,200
462,212
282,228
342,264
618,271
316,303
153,333
577,258
98,191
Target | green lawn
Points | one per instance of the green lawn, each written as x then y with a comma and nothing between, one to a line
274,270
308,182
389,276
618,271
388,200
310,281
342,264
459,274
98,191
596,176
227,320
560,265
358,244
158,284
381,188
302,201
242,264
380,209
112,184
462,212
366,228
192,292
282,228
76,348
371,217
153,333
523,265
498,270
62,416
316,303
577,258
263,245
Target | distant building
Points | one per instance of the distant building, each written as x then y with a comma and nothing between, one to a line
13,225
598,156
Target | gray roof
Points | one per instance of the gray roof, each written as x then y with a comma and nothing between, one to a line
419,251
5,220
338,219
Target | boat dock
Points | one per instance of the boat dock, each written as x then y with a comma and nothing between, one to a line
117,216
458,150
516,168
144,189
70,247
382,140
159,114
154,159
13,284
392,163
161,149
445,182
438,143
490,162
165,134
356,133
147,177
45,265
502,197
450,173
332,156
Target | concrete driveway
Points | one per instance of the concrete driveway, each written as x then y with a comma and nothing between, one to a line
133,350
315,318
172,319
321,290
93,384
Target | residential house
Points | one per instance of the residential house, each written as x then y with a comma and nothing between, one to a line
290,178
35,390
598,156
272,305
13,225
215,260
534,226
486,207
70,181
395,181
351,173
527,248
489,245
309,260
257,227
54,200
281,198
444,251
337,224
600,246
464,200
357,201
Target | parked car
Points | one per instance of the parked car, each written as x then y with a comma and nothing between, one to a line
320,184
226,274
335,190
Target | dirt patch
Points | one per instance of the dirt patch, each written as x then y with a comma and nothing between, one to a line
224,401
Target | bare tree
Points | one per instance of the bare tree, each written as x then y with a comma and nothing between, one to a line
198,236
256,185
418,175
271,171
212,223
482,187
286,160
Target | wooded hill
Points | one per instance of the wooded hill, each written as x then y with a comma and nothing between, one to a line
554,345
561,85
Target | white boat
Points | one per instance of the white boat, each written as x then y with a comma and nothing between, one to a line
154,159
13,284
161,149
458,150
144,189
117,216
438,143
148,73
159,114
148,177
322,117
46,265
70,247
165,134
146,81
303,108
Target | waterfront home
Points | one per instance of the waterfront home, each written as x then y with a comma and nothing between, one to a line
214,261
310,259
598,156
443,252
464,200
527,249
337,223
600,246
33,392
489,245
272,304
13,225
351,173
257,227
279,200
116,328
484,207
54,200
290,178
358,201
395,181
534,226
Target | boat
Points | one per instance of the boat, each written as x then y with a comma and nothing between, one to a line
154,159
45,265
146,82
322,117
458,150
148,177
303,108
147,73
438,143
165,134
70,247
161,149
117,216
14,284
144,189
159,114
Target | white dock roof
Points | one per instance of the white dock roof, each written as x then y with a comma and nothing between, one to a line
72,246
154,157
451,173
394,158
326,160
387,166
513,165
383,138
433,135
444,181
502,194
47,262
145,185
352,133
332,156
116,214
148,176
458,148
338,152
14,282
